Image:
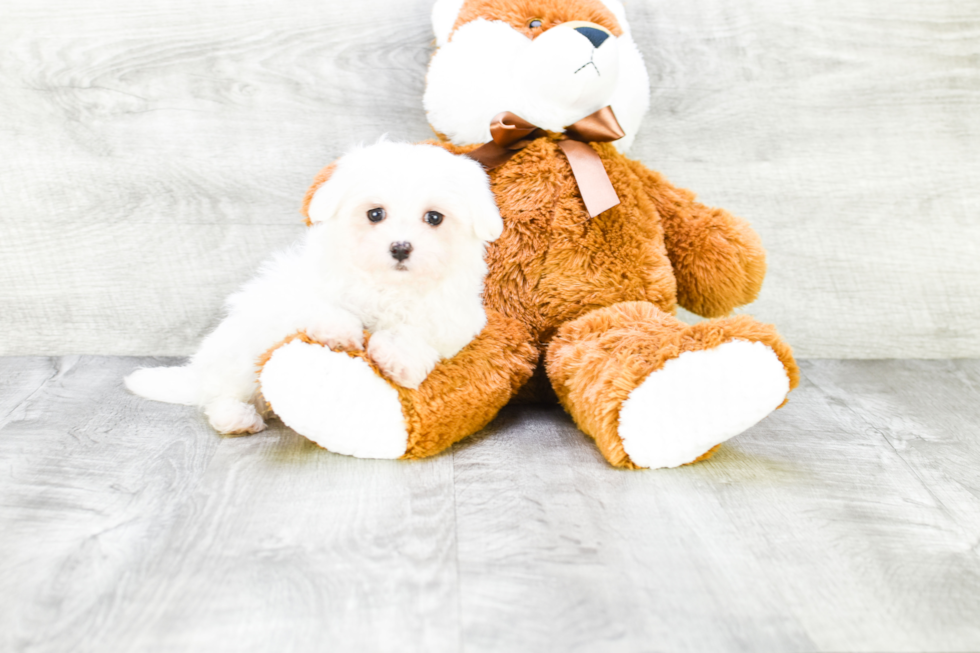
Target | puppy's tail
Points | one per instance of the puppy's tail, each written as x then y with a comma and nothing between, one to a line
174,385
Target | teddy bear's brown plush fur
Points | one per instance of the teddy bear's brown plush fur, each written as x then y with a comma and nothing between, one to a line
549,12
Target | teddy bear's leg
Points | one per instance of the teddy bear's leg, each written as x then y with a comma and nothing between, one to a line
340,400
655,392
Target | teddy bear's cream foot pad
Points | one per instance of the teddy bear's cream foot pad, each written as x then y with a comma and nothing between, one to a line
700,399
334,400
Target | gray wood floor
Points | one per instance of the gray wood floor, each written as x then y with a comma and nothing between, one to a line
849,521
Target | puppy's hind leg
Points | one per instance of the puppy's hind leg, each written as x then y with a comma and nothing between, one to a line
227,370
231,416
181,385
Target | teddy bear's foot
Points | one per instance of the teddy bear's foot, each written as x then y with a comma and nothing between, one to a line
342,402
699,400
335,400
655,392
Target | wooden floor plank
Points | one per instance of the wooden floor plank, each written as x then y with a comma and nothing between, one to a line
577,556
928,412
90,478
809,532
848,521
284,546
130,525
20,378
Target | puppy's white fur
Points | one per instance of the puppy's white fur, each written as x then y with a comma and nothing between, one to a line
552,80
342,279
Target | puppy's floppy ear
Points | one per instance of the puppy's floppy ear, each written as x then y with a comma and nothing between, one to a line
484,215
487,223
324,198
319,182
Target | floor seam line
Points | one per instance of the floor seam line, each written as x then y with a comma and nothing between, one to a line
44,384
881,433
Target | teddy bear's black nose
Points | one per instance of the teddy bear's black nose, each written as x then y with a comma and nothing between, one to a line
401,250
596,36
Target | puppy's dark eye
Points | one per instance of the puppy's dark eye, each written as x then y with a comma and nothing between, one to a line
376,215
433,218
534,23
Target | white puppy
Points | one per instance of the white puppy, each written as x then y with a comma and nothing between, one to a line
396,247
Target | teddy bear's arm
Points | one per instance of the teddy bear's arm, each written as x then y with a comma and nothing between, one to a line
718,259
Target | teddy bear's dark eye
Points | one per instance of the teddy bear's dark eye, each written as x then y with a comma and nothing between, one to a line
433,218
376,215
534,23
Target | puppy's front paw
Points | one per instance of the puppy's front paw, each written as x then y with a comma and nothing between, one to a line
406,361
340,331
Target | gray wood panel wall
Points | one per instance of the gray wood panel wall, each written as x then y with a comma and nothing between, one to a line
153,153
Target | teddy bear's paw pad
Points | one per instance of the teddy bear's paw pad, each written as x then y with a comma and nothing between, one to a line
700,399
334,400
233,417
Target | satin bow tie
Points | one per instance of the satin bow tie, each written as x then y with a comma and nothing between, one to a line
511,133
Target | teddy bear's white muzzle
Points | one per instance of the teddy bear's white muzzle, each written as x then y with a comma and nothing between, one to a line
574,66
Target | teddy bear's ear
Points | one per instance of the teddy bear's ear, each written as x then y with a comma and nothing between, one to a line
444,14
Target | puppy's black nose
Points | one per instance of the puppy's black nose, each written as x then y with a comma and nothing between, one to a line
596,36
401,250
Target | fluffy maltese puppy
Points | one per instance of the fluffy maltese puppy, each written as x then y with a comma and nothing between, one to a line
396,248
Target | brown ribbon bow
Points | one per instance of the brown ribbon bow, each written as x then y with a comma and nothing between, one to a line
511,133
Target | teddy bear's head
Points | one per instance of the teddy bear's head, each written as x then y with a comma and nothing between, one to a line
551,62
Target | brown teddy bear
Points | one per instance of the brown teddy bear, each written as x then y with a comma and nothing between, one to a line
596,254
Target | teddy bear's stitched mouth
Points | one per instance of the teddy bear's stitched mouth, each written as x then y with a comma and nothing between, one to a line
590,62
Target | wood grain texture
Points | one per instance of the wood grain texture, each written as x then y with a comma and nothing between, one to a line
154,153
847,521
21,379
91,478
128,525
818,530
